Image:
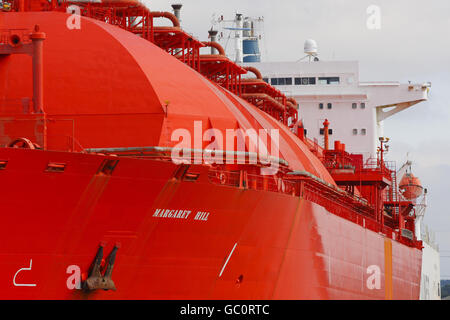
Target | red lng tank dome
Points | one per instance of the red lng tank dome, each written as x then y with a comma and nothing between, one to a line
123,91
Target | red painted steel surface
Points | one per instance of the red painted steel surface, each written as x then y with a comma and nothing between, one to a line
287,247
104,87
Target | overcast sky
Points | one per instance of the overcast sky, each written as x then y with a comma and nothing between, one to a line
413,43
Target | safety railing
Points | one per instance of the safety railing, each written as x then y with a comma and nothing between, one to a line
308,187
311,188
196,156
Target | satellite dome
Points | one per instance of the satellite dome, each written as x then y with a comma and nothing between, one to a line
310,47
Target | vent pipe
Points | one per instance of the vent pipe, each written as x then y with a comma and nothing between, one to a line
238,38
326,125
212,36
176,10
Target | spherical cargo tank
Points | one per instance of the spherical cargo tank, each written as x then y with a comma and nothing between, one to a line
105,87
410,186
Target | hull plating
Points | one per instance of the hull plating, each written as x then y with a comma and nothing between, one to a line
250,244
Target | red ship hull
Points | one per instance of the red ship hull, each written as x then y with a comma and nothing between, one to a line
224,231
251,245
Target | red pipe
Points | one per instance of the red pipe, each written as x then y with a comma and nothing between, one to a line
254,81
337,145
293,101
216,46
326,124
38,69
167,15
301,130
21,5
264,97
255,71
115,2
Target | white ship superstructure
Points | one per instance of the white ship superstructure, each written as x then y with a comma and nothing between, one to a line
430,284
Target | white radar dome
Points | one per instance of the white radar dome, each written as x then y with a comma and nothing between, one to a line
310,47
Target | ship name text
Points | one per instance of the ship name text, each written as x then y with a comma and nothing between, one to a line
180,214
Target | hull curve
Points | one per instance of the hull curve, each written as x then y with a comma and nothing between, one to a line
244,244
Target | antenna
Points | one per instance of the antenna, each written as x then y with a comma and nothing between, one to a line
246,34
311,51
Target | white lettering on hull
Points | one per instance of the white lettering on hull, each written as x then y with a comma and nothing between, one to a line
23,284
180,214
169,213
202,216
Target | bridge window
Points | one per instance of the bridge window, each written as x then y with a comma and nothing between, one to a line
330,131
305,81
281,81
328,80
354,105
363,105
320,105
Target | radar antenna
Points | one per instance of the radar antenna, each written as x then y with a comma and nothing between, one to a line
310,49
